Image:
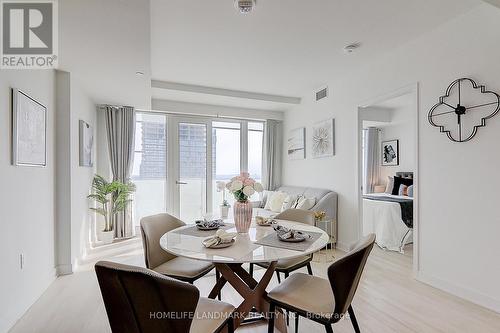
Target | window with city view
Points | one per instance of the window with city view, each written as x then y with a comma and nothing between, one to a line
236,145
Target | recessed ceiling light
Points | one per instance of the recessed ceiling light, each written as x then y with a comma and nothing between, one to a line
351,47
139,73
245,6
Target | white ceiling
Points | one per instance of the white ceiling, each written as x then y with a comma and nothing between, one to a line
285,47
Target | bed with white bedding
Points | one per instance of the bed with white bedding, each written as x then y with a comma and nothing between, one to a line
390,218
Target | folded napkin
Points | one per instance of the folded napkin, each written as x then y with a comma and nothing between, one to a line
210,224
286,233
221,237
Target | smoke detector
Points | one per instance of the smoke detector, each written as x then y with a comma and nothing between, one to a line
348,49
245,6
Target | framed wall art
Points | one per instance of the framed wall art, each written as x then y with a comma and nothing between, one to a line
29,130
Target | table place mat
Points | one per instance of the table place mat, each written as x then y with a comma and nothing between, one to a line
273,241
194,231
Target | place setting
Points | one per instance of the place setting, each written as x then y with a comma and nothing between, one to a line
205,227
264,222
220,240
289,238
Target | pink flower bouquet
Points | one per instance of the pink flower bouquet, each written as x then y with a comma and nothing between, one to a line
243,187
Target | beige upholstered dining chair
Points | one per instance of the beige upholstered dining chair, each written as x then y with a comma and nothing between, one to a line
321,300
287,266
139,300
160,261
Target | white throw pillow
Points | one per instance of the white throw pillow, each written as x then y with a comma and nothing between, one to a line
306,203
267,199
276,201
287,204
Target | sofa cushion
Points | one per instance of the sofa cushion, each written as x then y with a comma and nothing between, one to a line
292,190
316,193
265,199
275,201
305,203
289,201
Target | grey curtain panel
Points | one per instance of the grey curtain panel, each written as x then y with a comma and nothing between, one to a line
371,169
272,154
120,129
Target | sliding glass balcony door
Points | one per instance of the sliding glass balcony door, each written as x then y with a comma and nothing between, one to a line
191,169
179,160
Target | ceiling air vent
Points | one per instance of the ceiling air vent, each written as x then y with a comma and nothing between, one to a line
322,93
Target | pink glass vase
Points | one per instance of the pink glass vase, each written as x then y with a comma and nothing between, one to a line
242,216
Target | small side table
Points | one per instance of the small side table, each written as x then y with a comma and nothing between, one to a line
329,225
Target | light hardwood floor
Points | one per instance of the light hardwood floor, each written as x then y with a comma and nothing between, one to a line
387,300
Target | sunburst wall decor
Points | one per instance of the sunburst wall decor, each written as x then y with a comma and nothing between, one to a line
323,139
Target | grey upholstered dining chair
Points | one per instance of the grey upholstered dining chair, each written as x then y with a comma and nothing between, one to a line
287,266
139,300
160,261
321,300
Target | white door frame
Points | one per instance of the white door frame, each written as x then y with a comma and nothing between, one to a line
409,89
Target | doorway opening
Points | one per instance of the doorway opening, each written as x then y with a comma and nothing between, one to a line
388,172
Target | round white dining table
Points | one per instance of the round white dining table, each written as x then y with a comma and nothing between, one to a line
228,261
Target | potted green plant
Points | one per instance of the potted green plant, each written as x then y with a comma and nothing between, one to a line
224,207
111,198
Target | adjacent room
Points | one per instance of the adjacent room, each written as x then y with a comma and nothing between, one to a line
257,166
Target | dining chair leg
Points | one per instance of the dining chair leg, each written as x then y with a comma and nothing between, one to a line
328,328
230,325
287,313
296,322
278,275
353,319
251,270
309,269
217,277
272,314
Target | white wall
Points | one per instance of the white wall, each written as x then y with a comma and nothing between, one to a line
459,222
82,108
26,204
74,219
402,128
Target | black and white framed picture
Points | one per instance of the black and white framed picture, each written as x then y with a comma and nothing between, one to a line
390,153
86,144
323,139
296,147
29,131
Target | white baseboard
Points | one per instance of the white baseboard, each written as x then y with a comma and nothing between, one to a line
460,291
64,269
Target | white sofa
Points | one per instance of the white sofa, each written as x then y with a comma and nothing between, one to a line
326,200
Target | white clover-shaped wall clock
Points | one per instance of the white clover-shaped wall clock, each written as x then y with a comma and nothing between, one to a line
463,109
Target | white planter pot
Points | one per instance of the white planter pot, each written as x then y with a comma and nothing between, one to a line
107,237
224,211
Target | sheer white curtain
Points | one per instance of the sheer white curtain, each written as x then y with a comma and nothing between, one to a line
371,166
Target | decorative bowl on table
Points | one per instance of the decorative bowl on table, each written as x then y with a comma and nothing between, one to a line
290,235
209,225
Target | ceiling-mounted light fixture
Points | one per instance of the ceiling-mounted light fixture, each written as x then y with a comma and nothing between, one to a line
245,6
351,47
